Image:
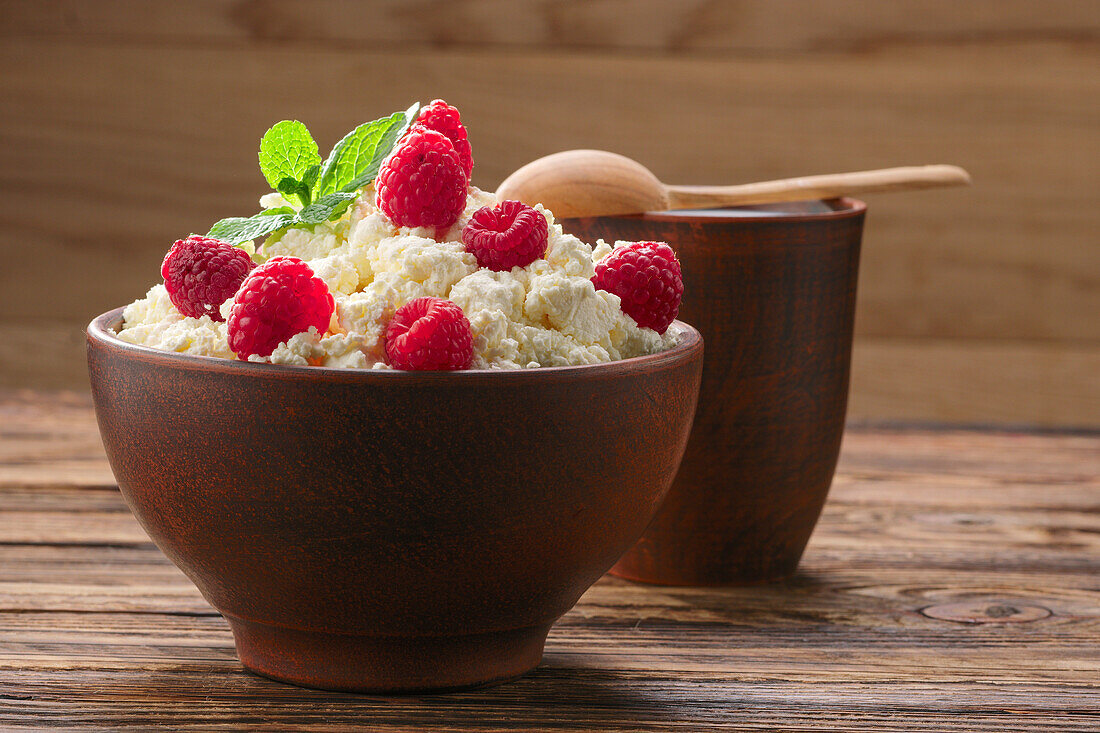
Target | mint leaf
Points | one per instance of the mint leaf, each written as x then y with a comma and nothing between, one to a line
287,150
329,206
238,229
310,176
277,211
289,186
354,161
293,187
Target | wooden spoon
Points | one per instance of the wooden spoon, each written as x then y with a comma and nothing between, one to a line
595,182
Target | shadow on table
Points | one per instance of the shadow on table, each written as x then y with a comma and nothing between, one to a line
658,661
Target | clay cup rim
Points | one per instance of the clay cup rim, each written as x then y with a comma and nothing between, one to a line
839,208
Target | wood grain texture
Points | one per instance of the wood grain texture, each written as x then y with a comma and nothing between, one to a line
128,126
99,631
685,26
967,380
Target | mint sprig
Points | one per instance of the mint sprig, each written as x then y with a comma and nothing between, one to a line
291,163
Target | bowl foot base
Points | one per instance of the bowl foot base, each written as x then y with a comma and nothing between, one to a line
386,664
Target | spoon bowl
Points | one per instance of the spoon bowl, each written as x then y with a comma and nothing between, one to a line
577,183
582,183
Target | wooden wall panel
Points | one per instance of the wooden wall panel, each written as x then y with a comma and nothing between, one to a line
976,381
683,26
124,130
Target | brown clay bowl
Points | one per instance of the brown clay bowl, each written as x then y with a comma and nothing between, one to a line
773,291
391,531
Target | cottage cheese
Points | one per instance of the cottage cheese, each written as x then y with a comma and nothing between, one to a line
154,321
545,314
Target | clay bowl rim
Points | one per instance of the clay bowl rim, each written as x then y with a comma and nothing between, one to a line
849,207
102,332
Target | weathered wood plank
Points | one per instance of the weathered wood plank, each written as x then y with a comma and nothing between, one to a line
1008,458
202,699
1022,382
664,650
99,631
45,354
625,25
50,440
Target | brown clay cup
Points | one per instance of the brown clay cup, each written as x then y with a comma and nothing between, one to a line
772,289
388,531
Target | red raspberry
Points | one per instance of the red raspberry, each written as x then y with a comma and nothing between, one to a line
422,183
646,276
510,234
202,273
278,299
429,334
444,118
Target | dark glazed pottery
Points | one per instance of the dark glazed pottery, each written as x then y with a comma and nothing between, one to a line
772,289
391,531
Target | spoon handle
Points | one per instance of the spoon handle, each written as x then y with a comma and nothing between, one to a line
818,187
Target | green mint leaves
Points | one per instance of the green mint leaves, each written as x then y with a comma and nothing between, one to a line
291,163
239,229
287,151
330,206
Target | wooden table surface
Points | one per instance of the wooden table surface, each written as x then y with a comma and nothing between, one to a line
952,584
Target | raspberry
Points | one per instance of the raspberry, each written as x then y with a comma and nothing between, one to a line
429,334
510,234
646,277
278,299
444,118
422,183
202,273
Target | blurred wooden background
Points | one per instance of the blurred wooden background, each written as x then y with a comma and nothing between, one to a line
127,124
